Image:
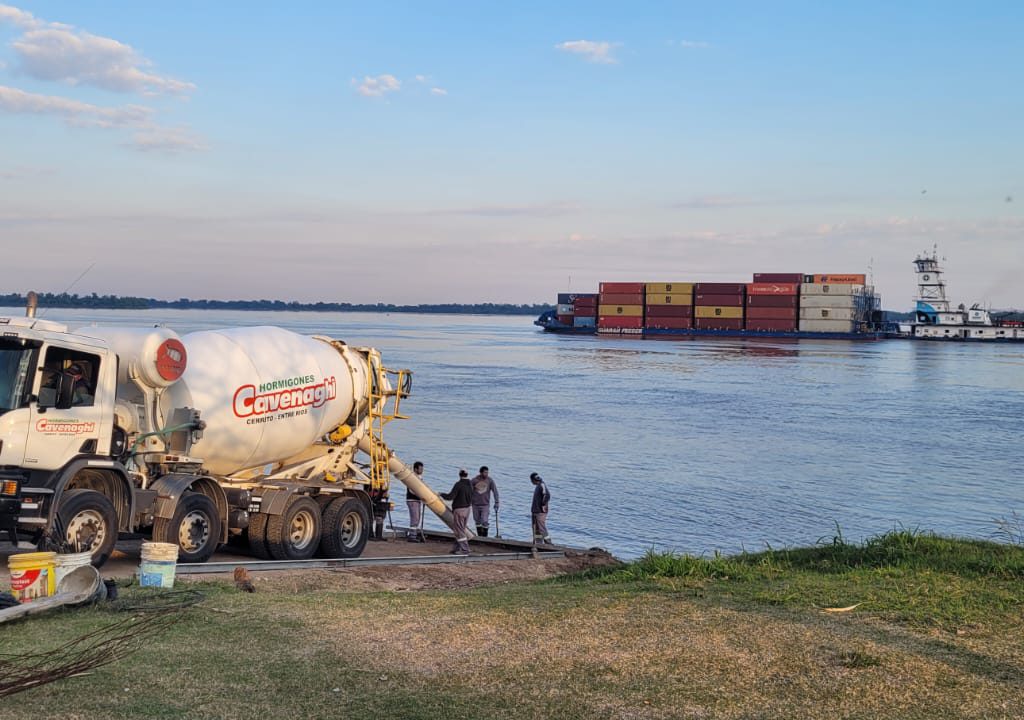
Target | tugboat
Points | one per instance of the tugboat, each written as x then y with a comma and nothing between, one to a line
935,320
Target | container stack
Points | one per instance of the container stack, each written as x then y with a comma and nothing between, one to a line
772,302
620,308
669,306
564,309
718,306
834,303
584,309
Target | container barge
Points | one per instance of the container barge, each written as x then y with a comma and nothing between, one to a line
773,305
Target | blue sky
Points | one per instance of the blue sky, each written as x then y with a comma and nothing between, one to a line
423,152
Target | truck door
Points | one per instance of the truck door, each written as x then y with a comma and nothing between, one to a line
55,435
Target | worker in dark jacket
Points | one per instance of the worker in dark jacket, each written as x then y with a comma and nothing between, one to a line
539,510
461,496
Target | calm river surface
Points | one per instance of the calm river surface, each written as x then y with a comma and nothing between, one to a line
697,445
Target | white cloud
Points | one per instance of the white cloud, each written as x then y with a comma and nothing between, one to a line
74,57
61,53
17,17
377,86
441,92
168,140
694,44
715,201
422,79
73,112
599,52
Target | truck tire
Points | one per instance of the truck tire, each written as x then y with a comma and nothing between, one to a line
295,533
88,516
195,527
346,528
257,532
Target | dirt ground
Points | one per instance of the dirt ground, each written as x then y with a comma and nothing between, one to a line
405,578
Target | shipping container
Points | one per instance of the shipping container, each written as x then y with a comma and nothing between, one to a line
718,312
585,311
827,326
772,288
581,321
620,321
683,288
830,289
763,313
620,311
833,301
621,287
706,299
585,301
771,325
779,277
827,314
621,299
720,288
669,323
569,298
674,299
669,311
565,319
841,279
564,309
772,301
717,323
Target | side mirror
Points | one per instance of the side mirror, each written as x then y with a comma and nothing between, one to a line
65,392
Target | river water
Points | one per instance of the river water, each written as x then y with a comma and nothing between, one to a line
696,445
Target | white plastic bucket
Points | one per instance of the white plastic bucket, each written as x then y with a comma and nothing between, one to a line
66,563
158,563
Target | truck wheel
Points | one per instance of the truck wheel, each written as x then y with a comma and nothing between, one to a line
194,527
295,533
89,522
346,528
258,536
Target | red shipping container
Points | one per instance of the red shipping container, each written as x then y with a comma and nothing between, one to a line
584,312
619,321
773,288
775,301
681,311
622,299
669,323
565,319
718,323
720,288
772,325
719,300
763,313
585,302
779,277
621,287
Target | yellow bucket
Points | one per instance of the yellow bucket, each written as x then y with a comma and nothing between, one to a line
33,575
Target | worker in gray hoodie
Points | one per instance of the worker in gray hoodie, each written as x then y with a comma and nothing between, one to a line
483,488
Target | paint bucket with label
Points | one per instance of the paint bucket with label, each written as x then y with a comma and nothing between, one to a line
66,563
32,575
158,563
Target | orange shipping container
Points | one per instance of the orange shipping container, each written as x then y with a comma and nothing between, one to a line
620,311
673,299
711,311
670,288
843,279
773,288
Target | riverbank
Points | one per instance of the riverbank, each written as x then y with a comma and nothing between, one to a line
906,625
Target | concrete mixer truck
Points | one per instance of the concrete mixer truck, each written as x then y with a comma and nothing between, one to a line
258,435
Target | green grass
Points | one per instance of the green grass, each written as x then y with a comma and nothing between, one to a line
939,633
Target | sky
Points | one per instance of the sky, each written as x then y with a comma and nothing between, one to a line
421,152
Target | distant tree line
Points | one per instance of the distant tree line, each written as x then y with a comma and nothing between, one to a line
117,302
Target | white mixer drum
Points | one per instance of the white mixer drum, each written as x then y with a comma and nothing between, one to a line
265,393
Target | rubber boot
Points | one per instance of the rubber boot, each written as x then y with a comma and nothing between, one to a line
481,531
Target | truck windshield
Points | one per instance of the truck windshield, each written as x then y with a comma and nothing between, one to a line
15,384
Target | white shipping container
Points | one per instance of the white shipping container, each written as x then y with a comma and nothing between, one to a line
827,326
564,310
827,313
833,301
829,289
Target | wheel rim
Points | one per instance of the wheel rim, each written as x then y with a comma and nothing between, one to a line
302,530
87,525
351,529
194,532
